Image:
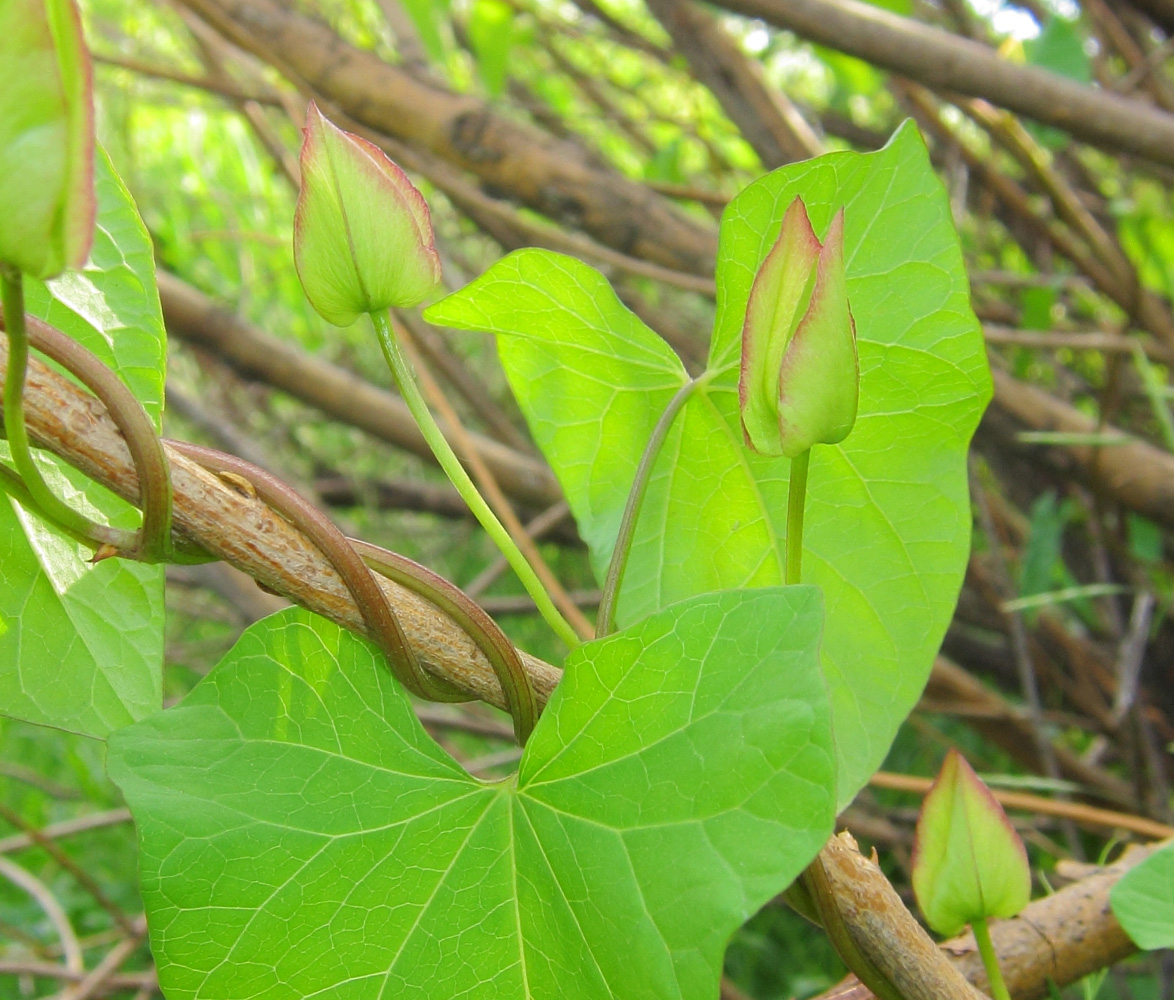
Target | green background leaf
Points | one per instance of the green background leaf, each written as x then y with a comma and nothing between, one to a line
491,34
81,646
888,513
302,835
1143,901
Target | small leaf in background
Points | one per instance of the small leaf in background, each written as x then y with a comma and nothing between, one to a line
664,167
81,646
1143,901
1035,308
46,137
1059,47
431,19
1042,564
491,34
303,836
1145,538
968,861
362,232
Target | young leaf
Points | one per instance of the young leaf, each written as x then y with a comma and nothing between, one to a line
81,646
968,861
303,836
888,512
1143,901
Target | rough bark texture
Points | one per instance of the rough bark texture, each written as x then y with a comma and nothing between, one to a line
247,534
885,930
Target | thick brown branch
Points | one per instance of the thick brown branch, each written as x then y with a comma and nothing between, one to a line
946,62
244,532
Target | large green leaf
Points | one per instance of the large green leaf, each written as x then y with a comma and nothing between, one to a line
81,646
303,836
888,516
1143,901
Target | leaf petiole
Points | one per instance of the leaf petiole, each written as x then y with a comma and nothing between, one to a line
605,620
796,501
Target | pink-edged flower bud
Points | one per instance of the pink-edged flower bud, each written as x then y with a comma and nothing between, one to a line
800,379
47,205
362,233
968,861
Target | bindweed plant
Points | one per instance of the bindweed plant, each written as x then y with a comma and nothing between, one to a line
781,540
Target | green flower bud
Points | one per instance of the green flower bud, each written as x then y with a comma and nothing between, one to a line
800,379
968,861
362,234
47,204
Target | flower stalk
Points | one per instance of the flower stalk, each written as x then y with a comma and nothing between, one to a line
405,380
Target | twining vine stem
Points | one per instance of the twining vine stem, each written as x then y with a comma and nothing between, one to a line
45,500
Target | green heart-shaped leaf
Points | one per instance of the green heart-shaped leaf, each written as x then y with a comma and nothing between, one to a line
888,513
303,836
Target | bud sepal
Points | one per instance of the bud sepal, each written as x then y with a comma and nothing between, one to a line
968,861
362,232
47,200
800,377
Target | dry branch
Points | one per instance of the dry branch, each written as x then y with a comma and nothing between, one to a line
249,535
946,62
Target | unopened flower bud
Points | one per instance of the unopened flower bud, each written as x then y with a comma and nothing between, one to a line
362,233
47,205
800,378
968,861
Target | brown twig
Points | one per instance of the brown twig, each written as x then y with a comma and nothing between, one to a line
84,879
250,536
1103,819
